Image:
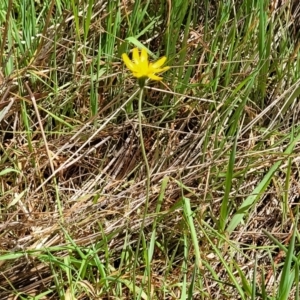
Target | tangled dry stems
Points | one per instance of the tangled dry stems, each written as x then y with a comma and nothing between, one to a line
100,178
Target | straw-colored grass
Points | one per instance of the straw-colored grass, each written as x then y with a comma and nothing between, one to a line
221,135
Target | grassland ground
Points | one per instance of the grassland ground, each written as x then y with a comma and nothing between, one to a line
191,193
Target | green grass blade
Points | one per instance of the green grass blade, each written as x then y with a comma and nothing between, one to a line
287,275
257,192
188,213
229,176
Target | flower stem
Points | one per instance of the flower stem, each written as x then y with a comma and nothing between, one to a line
147,193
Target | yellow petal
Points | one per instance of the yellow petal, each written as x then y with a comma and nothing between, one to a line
135,55
144,55
143,63
129,64
158,70
159,63
164,69
154,77
138,75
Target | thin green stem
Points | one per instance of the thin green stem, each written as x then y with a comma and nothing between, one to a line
147,191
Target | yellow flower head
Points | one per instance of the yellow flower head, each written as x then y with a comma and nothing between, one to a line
141,67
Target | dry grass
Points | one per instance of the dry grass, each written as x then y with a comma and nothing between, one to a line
72,201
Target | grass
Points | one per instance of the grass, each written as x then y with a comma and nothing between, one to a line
190,194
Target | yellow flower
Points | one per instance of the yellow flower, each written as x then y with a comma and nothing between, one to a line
141,67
